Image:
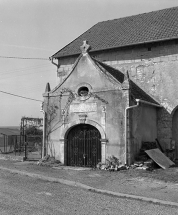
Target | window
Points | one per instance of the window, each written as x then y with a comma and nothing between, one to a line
149,49
83,91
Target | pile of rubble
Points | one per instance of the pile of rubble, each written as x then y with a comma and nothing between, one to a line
143,161
116,166
112,164
144,165
142,156
48,161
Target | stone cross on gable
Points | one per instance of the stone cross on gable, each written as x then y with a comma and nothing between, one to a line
85,47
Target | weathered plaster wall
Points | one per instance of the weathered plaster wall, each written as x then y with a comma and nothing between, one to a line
153,67
115,127
164,128
143,127
110,102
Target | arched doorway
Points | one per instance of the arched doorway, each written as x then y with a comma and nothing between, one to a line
83,146
175,131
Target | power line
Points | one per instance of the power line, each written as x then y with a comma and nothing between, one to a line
24,58
26,47
20,96
22,69
19,75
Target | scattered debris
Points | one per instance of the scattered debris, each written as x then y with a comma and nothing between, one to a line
112,164
148,150
142,156
48,161
144,165
143,160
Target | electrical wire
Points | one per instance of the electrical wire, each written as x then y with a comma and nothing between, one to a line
20,96
24,74
24,69
24,58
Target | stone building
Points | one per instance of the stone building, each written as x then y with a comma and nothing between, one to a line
117,91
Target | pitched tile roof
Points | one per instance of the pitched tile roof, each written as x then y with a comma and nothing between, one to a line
137,93
114,72
142,28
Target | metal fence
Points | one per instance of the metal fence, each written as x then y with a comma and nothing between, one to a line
33,147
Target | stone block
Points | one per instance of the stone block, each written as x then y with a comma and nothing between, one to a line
114,62
156,60
164,58
137,60
173,58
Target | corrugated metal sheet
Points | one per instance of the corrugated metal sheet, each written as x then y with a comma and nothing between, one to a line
156,155
9,131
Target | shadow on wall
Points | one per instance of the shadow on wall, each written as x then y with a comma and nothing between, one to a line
167,132
175,130
150,127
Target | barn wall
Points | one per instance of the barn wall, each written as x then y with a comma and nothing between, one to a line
153,67
143,127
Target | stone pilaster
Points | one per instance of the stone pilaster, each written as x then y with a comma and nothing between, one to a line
103,150
62,150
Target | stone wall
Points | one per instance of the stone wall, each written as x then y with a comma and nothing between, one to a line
164,128
153,67
103,107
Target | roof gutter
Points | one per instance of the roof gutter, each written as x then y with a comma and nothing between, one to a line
148,103
121,46
52,61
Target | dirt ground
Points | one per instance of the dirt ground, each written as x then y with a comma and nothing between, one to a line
168,175
158,184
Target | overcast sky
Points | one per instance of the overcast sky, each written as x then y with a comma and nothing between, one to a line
38,29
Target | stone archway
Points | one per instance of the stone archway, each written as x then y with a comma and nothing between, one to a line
66,130
83,146
88,121
175,130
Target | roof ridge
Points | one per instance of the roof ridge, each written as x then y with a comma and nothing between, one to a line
154,26
111,70
105,64
154,11
73,40
145,95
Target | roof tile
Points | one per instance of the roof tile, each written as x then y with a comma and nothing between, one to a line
137,93
147,27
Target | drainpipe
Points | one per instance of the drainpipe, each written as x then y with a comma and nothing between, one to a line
58,66
52,61
148,103
44,122
126,120
126,129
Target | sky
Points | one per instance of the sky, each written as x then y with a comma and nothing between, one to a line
40,28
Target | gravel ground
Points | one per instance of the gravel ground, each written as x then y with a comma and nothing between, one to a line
29,196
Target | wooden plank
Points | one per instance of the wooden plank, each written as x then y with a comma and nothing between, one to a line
157,156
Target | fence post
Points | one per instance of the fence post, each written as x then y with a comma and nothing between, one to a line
25,150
